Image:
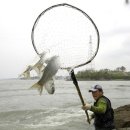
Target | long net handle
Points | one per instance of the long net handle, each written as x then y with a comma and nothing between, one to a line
79,92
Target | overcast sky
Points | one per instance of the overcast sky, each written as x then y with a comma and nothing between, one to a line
17,17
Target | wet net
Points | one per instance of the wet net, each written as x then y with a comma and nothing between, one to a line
68,32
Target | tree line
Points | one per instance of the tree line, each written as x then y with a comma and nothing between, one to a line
119,73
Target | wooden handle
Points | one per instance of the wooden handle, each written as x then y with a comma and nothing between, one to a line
79,92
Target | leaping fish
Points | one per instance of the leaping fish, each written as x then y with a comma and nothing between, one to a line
47,78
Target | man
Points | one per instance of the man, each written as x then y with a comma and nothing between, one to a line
103,112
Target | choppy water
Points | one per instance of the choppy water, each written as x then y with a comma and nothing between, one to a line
24,109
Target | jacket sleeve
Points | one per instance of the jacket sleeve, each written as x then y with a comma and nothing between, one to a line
100,106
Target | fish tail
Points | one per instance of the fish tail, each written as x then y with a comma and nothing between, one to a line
38,87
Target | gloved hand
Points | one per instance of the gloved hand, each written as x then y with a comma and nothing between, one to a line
91,115
87,106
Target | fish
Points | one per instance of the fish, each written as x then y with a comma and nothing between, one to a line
46,79
26,73
50,86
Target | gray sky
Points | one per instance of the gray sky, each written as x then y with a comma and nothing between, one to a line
17,17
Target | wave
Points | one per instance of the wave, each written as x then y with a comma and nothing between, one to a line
14,90
38,118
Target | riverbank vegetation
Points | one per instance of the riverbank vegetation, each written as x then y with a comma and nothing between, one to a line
119,73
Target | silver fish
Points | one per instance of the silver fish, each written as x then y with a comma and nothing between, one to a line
50,86
49,72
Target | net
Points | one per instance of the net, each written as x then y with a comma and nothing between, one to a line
65,31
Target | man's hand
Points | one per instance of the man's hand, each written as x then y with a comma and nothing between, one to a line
91,115
87,106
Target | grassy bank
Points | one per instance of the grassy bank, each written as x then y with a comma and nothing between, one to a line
104,74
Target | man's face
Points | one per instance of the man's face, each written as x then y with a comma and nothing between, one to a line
97,94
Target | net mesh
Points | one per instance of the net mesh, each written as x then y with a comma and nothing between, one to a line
65,32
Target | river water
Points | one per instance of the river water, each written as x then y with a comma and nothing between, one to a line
24,109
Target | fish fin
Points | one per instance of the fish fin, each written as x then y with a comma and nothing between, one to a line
38,87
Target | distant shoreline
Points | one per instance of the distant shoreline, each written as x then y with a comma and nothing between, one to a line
71,80
103,79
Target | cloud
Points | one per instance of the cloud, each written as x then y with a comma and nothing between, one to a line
17,18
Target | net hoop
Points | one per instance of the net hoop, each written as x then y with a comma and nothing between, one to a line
81,11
